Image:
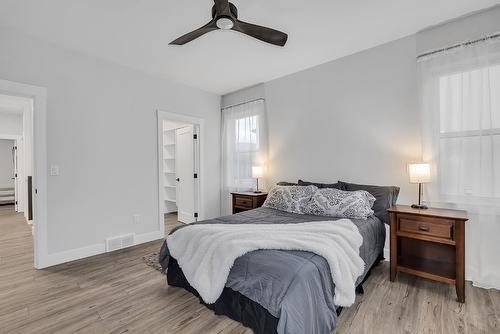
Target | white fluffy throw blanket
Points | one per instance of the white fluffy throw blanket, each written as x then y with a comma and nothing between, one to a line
206,252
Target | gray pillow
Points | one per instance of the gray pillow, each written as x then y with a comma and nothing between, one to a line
342,204
284,183
385,197
320,185
292,199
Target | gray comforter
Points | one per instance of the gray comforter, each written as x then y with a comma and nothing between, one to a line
294,286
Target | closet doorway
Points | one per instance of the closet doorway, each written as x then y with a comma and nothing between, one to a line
179,166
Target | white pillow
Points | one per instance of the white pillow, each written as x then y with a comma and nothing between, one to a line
292,199
343,204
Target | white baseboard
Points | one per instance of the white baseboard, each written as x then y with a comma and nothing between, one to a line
87,251
70,255
147,237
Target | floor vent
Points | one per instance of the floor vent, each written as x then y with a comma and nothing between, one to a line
120,242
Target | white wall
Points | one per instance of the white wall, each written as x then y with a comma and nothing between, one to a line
102,133
244,95
356,118
352,119
6,164
463,29
11,124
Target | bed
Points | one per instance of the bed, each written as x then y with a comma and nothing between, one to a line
276,291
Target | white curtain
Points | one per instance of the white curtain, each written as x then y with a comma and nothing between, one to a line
460,105
244,144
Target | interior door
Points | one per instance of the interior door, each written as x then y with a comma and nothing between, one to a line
185,170
21,187
15,177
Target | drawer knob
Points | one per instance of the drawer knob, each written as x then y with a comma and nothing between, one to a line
423,228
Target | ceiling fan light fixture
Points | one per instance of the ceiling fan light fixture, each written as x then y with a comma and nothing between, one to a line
224,23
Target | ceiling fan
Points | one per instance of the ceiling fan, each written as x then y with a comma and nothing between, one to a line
225,16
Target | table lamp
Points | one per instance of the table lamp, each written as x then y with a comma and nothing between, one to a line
257,172
419,173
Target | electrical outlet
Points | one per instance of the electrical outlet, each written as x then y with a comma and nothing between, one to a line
137,219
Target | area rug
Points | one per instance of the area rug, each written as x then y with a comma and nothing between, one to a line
152,261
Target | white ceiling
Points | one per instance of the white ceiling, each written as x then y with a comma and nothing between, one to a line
136,33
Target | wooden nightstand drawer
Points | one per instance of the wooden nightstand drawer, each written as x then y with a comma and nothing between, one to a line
432,227
243,202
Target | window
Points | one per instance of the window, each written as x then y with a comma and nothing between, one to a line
244,144
460,113
469,134
247,149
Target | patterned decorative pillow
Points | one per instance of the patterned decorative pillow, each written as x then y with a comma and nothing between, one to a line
292,199
343,204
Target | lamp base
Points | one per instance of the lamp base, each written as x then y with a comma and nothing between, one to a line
257,192
420,207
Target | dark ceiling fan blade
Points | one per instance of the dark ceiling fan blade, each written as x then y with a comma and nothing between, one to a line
210,26
222,8
264,34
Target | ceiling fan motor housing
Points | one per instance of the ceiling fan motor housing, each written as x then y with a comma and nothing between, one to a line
232,9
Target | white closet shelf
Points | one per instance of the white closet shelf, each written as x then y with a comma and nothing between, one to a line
169,170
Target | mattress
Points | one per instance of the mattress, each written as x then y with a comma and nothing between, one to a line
275,291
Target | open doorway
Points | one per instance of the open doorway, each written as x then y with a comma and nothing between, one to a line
179,139
16,154
7,172
31,151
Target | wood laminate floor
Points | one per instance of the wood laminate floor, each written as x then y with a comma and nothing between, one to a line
118,293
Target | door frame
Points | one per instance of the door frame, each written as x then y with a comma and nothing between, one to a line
199,189
16,139
39,138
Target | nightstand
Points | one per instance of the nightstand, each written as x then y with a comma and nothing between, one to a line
429,243
244,201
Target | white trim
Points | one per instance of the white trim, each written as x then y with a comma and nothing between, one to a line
10,137
148,237
470,133
72,255
92,250
39,96
200,122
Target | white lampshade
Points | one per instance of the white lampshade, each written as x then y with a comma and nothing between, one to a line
257,172
419,173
